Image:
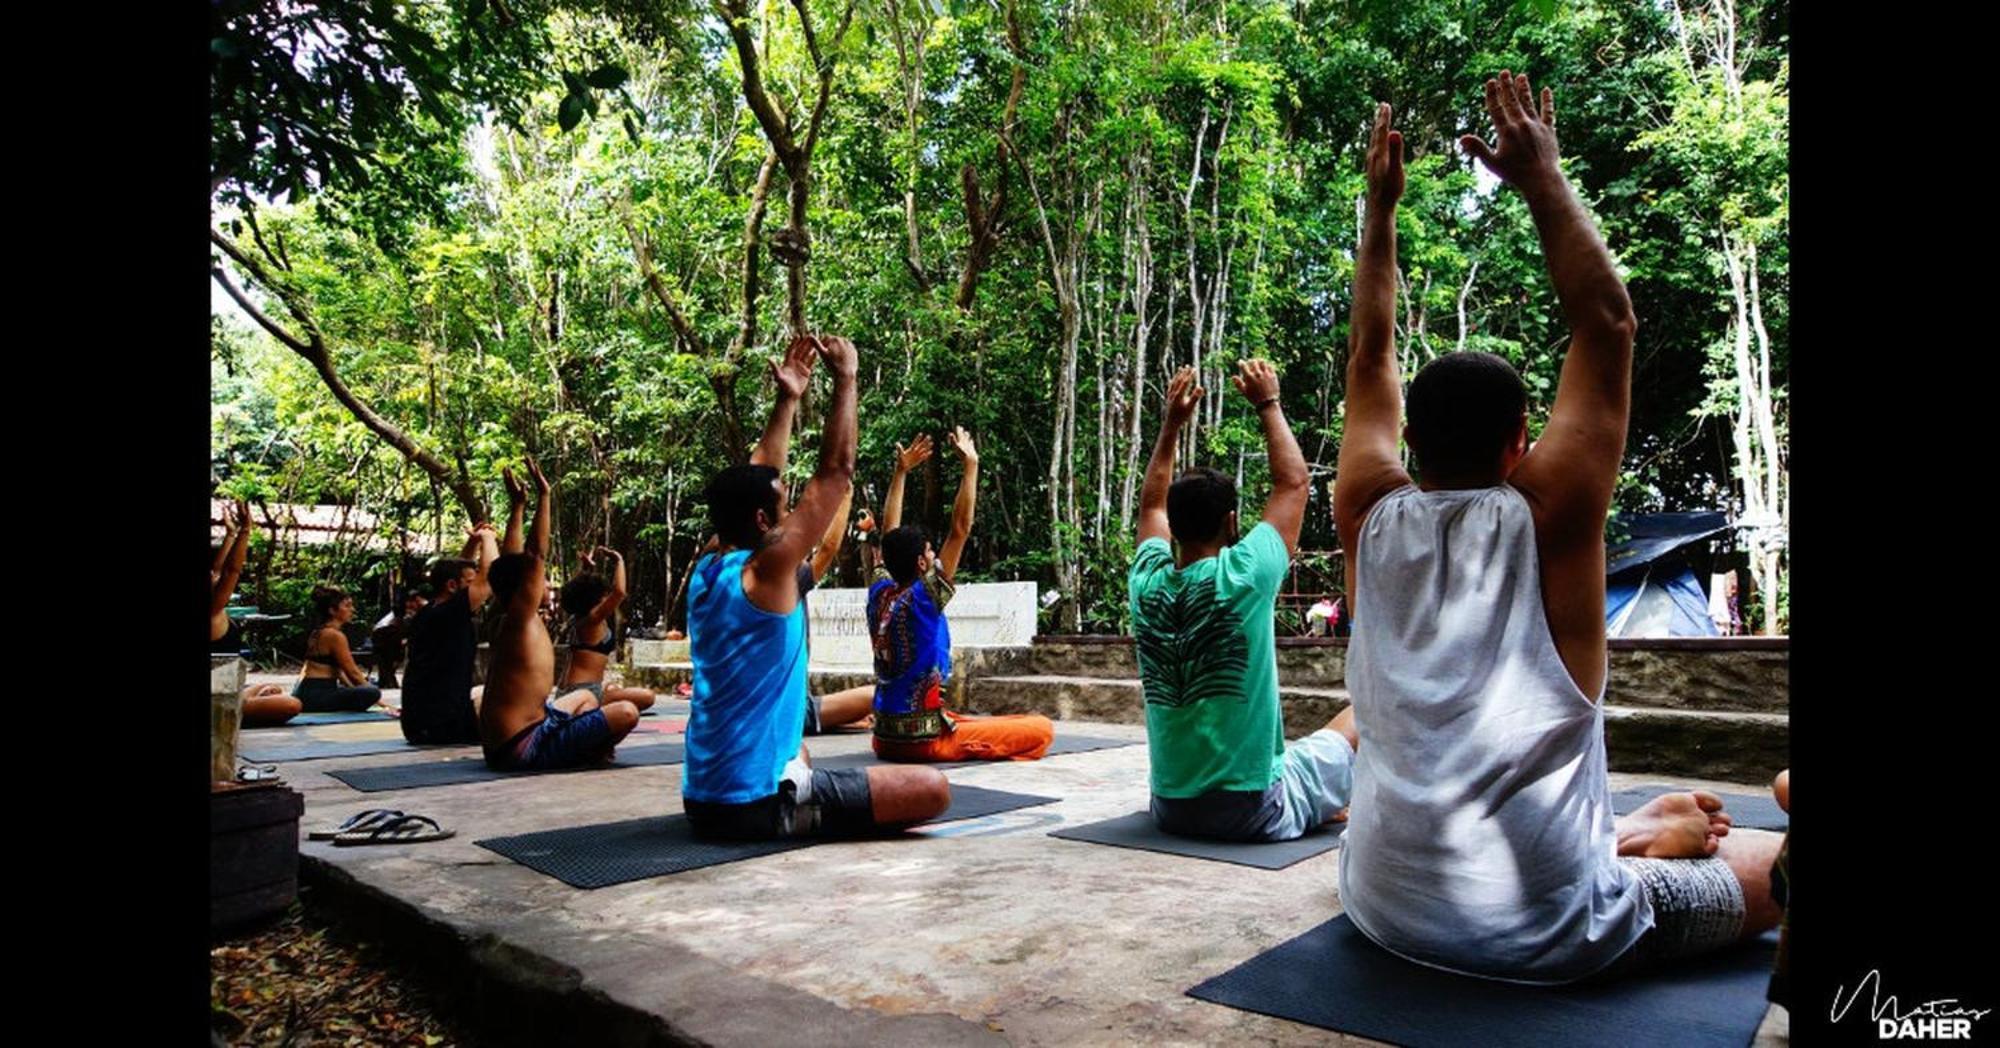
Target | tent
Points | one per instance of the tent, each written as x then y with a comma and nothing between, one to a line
1650,589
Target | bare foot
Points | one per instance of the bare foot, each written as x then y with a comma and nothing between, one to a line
1674,826
1781,788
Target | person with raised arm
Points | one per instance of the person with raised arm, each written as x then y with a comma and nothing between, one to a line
1203,621
1482,839
520,726
591,600
912,640
747,774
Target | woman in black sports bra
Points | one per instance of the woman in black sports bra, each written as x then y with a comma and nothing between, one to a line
592,603
331,682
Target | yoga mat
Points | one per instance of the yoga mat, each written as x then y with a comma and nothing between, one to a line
1138,831
1063,744
309,719
277,751
1332,977
474,769
1747,810
635,849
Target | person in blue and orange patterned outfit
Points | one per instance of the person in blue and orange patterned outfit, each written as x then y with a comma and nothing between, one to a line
912,640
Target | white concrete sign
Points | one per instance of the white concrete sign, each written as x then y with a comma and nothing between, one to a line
982,615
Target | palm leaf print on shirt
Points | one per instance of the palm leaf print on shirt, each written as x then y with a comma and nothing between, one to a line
1189,647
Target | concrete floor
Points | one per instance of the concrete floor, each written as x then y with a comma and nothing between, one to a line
982,931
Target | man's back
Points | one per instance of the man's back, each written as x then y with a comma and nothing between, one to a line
1208,662
437,684
1481,838
747,713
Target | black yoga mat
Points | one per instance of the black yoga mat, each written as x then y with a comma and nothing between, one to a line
1063,744
1334,978
474,769
635,849
278,751
1138,831
1747,810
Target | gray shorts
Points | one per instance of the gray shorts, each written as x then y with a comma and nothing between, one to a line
810,802
1697,907
595,688
1314,784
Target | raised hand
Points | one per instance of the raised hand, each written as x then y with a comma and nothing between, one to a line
535,470
962,442
909,458
792,372
1385,161
612,553
1525,148
1257,380
515,490
838,353
242,513
1182,396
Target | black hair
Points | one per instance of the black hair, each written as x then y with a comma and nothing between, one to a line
508,571
446,570
735,496
900,550
1463,410
582,592
1199,503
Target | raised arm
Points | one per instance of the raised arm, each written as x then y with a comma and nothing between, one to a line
829,544
790,375
236,553
608,604
517,501
771,579
538,533
907,459
962,507
1370,465
479,590
1291,482
1572,471
1182,396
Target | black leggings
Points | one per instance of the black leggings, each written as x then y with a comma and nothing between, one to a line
325,695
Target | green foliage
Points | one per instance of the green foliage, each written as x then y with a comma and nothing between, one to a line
466,252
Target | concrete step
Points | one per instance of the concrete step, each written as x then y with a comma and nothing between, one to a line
1730,745
1749,675
821,679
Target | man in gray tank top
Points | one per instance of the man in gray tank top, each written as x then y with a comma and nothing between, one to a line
1481,838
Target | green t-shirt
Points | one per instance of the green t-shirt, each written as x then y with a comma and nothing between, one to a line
1208,658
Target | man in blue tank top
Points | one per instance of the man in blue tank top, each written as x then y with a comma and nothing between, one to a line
747,776
1482,839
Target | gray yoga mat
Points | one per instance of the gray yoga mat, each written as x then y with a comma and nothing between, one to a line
1743,809
1332,977
1138,831
278,751
635,849
1063,744
474,769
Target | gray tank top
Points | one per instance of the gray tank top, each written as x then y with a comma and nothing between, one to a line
1481,837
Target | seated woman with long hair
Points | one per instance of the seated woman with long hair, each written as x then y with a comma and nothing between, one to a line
331,682
592,603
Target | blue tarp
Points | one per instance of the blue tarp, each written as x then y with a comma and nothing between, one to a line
1650,592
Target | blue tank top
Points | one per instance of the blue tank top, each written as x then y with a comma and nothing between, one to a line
749,702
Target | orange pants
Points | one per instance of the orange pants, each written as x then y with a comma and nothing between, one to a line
1023,737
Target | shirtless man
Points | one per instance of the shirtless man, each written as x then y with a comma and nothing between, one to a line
521,728
1482,839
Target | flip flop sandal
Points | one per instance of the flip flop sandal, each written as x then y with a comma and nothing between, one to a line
246,772
409,829
364,820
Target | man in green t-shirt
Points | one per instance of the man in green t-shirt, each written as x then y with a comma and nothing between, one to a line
1208,654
